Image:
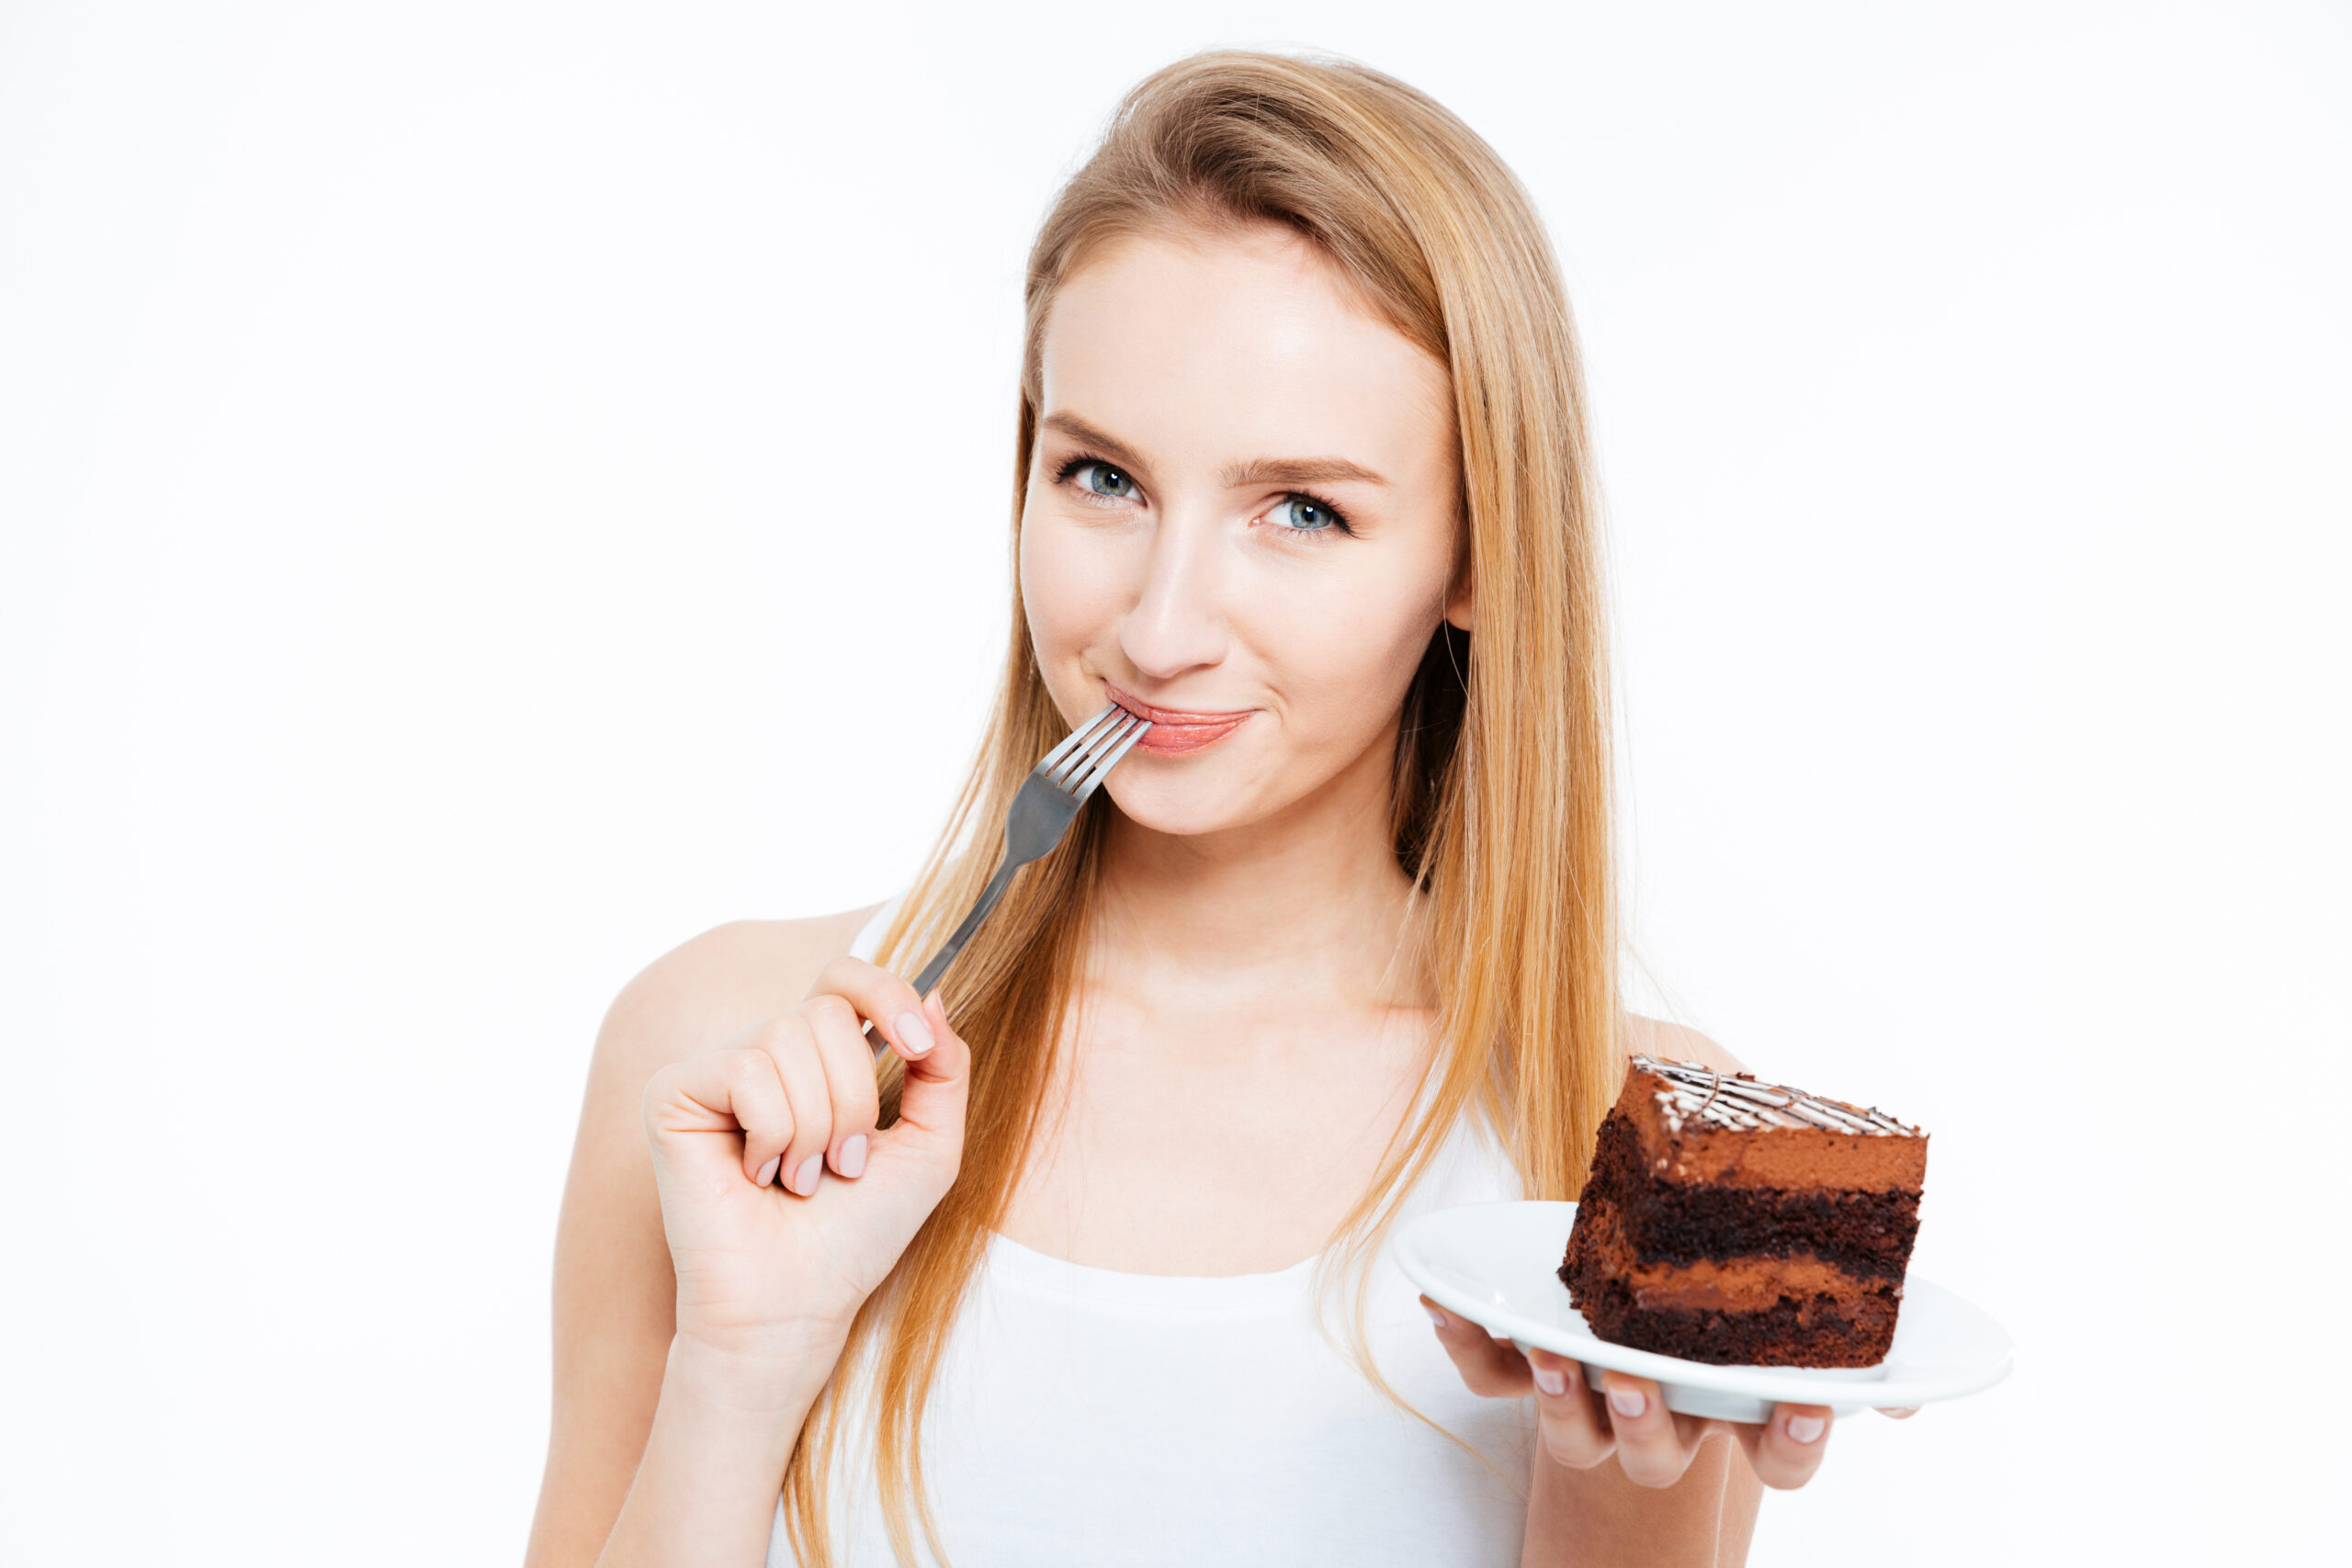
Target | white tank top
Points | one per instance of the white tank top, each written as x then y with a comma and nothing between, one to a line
1084,1416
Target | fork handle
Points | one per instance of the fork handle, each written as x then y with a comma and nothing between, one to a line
946,955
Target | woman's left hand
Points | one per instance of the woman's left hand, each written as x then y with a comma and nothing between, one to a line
1653,1445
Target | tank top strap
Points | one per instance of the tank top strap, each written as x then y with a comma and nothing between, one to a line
868,941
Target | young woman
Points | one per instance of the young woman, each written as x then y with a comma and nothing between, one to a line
1090,1270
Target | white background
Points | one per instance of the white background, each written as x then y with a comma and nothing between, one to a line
488,491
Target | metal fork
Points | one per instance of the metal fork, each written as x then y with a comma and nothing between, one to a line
1041,814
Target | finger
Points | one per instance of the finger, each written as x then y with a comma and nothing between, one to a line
881,996
1576,1432
848,1080
791,1045
1787,1449
1490,1367
1897,1412
733,1091
1653,1447
937,1085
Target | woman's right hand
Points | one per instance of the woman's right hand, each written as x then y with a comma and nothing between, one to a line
783,1206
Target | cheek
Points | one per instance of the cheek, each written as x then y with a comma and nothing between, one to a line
1068,592
1344,655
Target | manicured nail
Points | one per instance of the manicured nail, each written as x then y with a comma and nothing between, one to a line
1628,1402
1437,1317
851,1160
767,1172
804,1180
1806,1428
914,1035
1550,1381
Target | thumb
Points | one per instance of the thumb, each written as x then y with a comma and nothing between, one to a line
937,1085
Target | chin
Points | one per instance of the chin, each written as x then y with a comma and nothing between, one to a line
1180,806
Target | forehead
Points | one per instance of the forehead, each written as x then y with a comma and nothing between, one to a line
1231,346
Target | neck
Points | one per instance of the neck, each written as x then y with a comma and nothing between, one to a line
1310,900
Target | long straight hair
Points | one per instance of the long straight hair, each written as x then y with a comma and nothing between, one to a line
1501,811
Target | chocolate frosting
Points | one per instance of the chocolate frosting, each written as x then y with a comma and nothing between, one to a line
1691,1092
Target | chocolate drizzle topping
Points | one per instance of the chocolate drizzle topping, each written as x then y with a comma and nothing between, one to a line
1740,1102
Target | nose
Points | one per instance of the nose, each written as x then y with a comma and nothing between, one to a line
1177,622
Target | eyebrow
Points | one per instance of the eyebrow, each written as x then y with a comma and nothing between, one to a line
1260,470
1102,441
1300,472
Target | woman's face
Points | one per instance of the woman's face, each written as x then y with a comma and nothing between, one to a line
1241,514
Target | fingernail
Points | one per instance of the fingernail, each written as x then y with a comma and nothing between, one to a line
914,1035
1550,1381
852,1162
1806,1428
1436,1316
767,1172
804,1180
1628,1402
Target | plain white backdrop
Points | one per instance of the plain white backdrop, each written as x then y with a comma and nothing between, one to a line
488,491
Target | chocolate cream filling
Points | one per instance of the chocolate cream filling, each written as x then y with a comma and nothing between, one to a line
1737,1284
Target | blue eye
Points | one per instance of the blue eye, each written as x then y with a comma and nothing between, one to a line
1103,480
1305,515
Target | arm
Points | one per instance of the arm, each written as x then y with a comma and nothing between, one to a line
1600,1515
723,1429
773,1255
615,1308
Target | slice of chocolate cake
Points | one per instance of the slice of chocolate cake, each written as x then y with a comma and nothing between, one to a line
1741,1223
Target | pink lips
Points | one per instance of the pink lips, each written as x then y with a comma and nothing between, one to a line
1174,732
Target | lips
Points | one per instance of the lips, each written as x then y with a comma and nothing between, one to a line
1173,730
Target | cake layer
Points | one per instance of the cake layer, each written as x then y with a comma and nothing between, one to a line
1865,1233
1813,1332
1600,1249
1696,1125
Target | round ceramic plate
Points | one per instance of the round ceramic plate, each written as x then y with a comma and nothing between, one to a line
1498,1265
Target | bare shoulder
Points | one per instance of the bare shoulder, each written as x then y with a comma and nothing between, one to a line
1677,1043
701,994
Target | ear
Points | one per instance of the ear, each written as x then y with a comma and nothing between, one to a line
1459,599
1459,604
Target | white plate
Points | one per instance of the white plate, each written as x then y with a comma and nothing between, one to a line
1498,1265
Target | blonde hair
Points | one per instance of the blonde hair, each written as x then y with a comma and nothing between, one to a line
1501,813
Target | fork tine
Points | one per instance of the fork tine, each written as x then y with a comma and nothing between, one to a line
1083,760
1111,759
1058,768
1078,736
1078,763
